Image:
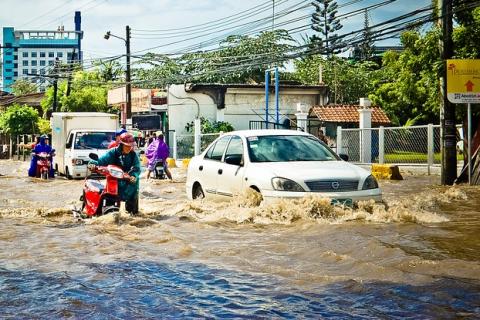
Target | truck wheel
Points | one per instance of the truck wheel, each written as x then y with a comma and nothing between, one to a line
67,174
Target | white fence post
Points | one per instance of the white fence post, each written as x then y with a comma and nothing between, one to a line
365,135
197,137
430,147
381,145
339,140
175,145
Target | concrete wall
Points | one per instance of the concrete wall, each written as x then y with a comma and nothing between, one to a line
241,106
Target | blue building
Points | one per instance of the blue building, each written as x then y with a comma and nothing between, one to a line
31,54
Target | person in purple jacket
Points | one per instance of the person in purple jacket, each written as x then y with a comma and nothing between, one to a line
157,151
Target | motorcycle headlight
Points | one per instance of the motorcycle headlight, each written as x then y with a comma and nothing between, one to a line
116,173
283,184
370,183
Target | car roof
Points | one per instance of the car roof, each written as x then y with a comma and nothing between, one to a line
267,132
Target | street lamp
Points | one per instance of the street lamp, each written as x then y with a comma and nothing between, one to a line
128,85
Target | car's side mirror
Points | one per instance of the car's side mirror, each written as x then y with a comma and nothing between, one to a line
234,159
343,156
93,156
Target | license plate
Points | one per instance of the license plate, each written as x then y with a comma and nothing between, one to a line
342,202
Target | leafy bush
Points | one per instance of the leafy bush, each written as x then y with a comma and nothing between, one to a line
19,119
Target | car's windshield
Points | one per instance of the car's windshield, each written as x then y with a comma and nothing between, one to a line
93,140
280,148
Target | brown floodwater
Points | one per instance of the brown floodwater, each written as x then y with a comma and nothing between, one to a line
416,255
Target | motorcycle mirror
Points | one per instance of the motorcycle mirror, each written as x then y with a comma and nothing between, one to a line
93,156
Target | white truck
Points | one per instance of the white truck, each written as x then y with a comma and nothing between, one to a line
77,134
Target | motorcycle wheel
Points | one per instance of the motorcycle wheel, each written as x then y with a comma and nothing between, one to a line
44,175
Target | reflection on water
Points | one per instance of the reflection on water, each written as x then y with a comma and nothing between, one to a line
182,290
414,256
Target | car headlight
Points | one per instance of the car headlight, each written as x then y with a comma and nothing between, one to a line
370,183
283,184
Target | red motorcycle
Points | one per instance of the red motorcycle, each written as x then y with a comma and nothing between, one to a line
101,198
43,165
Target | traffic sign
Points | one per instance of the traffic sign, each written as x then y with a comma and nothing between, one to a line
463,81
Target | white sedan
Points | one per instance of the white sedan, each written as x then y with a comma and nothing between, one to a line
278,164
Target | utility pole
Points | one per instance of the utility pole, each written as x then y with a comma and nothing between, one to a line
129,85
55,85
447,115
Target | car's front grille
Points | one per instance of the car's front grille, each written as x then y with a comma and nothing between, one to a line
332,185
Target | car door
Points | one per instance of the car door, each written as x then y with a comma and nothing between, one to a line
230,180
211,164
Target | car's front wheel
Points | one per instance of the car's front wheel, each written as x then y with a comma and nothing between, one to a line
197,192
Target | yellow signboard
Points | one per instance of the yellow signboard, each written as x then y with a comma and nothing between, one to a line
463,81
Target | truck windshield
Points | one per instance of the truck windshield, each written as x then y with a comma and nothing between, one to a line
93,140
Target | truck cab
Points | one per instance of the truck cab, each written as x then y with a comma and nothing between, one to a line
77,134
79,144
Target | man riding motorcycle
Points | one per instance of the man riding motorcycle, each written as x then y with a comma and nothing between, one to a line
41,146
125,157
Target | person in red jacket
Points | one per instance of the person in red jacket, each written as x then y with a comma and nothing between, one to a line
116,142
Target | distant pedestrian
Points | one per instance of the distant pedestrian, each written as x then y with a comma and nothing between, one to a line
322,137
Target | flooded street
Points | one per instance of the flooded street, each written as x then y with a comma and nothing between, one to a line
415,256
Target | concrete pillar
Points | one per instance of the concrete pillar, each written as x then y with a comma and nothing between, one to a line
339,140
197,136
174,141
365,135
302,121
381,145
221,114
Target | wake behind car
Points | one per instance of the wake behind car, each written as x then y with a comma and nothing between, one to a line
277,164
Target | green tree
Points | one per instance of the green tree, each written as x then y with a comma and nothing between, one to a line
466,36
18,119
407,86
88,93
240,59
365,50
208,126
326,23
23,86
347,81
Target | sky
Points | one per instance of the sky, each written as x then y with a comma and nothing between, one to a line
181,25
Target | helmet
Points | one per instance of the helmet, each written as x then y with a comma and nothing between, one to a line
127,139
44,136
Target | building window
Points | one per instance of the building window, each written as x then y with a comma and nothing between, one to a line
34,71
42,54
8,78
8,53
8,61
15,74
25,63
25,72
42,63
15,65
51,54
25,54
60,54
34,63
42,71
34,54
50,62
8,70
15,57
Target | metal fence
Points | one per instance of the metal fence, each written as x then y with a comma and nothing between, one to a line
183,146
396,145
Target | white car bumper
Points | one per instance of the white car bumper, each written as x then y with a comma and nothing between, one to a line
78,171
355,196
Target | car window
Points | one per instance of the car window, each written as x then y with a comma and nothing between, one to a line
235,147
287,148
216,151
